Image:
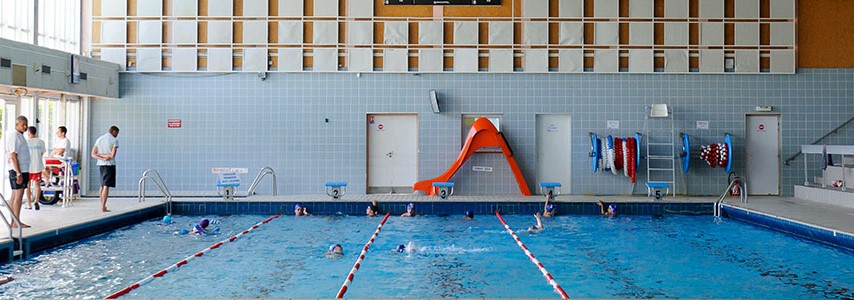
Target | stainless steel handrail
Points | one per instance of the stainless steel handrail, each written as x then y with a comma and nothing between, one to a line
8,225
264,171
158,181
742,184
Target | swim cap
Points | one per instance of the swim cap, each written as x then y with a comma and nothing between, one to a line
401,248
410,206
612,207
297,206
332,247
204,223
167,219
550,207
469,214
184,231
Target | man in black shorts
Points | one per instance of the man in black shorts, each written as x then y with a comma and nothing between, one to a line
18,155
105,152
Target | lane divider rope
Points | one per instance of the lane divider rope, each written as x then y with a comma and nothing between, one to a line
163,272
358,263
534,260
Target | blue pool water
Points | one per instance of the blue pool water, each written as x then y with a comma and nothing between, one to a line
590,256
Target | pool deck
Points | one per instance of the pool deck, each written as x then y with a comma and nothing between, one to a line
54,224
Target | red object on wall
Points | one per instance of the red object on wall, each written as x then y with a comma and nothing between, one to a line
482,134
173,123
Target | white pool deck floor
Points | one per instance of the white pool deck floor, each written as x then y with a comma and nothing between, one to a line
87,209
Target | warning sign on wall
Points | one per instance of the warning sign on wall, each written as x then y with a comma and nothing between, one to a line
761,127
173,123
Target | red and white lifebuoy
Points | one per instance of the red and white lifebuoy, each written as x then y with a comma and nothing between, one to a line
715,155
618,159
631,158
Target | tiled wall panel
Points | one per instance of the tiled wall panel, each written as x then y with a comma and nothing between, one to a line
237,120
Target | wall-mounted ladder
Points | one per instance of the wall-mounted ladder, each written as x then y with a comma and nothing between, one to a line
660,138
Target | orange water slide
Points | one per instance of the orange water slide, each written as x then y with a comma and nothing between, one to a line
482,134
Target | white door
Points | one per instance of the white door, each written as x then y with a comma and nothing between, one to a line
392,152
763,154
554,137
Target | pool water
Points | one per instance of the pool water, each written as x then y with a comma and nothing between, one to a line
590,256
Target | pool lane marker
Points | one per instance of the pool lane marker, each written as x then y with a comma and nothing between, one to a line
361,257
184,261
534,260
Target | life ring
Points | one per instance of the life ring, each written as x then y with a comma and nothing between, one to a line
609,156
638,150
626,157
686,153
618,158
594,142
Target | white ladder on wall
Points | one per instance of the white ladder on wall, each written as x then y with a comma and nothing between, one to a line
660,151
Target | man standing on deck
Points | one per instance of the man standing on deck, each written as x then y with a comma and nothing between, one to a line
105,152
18,155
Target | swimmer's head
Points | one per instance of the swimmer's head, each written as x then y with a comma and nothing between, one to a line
550,208
410,207
336,248
297,206
469,214
204,223
167,219
401,248
612,208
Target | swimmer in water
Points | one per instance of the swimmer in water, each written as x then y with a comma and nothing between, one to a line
372,210
201,228
409,248
469,215
410,211
300,210
610,212
549,210
539,225
167,220
335,250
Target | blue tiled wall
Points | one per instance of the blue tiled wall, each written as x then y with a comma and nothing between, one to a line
238,120
433,208
808,232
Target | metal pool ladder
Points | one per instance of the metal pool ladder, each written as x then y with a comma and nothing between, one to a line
158,181
20,252
264,171
741,184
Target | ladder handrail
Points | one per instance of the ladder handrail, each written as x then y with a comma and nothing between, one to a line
8,225
741,183
832,131
158,181
263,172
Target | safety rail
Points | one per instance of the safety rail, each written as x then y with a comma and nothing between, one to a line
829,133
264,171
741,184
158,181
20,251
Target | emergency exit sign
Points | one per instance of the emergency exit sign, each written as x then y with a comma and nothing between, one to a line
173,123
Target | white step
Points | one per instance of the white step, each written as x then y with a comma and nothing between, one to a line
659,157
660,169
18,253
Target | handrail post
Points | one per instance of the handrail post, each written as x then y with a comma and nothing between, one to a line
264,171
161,185
20,228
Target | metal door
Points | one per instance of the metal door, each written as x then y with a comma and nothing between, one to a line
392,152
762,153
554,151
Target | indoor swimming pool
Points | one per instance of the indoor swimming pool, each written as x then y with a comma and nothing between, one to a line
589,256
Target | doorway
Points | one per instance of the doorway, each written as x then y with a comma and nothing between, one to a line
554,150
762,154
392,152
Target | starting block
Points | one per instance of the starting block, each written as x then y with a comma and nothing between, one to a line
443,189
228,181
550,189
653,189
336,189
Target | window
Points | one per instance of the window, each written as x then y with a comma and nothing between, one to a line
58,23
17,20
468,121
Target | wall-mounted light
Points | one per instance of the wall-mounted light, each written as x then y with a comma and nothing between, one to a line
434,101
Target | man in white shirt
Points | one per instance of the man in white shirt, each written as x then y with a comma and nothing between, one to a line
37,150
105,152
62,144
18,155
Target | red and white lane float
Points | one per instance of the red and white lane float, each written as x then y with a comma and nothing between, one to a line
358,263
534,260
718,155
163,272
